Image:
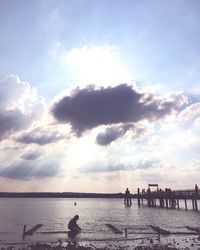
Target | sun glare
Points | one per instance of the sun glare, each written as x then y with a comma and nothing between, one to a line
98,64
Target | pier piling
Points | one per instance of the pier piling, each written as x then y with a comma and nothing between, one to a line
126,232
196,205
138,192
178,203
24,232
166,203
185,204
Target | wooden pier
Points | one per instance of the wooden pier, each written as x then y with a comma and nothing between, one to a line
167,198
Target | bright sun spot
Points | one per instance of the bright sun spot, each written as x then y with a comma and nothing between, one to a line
97,64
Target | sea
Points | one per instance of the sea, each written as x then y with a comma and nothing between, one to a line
94,213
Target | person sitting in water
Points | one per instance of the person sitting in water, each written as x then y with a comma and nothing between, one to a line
73,227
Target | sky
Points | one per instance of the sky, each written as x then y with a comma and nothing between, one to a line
98,96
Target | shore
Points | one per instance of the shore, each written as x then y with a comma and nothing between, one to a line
166,243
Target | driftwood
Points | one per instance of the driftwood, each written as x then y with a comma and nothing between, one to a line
160,231
114,229
53,232
195,229
33,230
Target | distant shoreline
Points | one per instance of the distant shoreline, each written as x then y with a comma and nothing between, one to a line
61,195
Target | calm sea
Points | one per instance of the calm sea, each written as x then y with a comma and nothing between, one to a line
55,213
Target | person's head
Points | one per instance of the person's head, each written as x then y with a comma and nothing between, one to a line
76,217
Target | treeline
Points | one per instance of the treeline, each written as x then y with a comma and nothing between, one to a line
61,195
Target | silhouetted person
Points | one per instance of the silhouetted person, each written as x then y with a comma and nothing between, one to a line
172,200
73,227
161,197
196,189
127,199
149,197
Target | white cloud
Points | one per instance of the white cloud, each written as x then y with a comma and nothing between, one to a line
182,139
16,94
18,103
190,112
197,122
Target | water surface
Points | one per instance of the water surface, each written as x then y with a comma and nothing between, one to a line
55,213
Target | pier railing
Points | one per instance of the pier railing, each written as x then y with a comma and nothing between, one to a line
168,198
178,194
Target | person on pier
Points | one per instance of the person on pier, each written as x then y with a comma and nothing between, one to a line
172,200
127,199
161,197
196,189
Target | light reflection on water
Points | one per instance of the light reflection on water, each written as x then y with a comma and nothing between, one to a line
54,214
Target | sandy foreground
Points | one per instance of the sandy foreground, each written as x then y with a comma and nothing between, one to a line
148,243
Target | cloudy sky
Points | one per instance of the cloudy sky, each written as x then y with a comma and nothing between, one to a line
97,96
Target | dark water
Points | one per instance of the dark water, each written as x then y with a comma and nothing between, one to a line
55,214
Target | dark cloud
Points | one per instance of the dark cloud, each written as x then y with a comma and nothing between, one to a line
111,134
88,108
146,164
27,170
12,120
32,155
96,168
115,132
39,137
